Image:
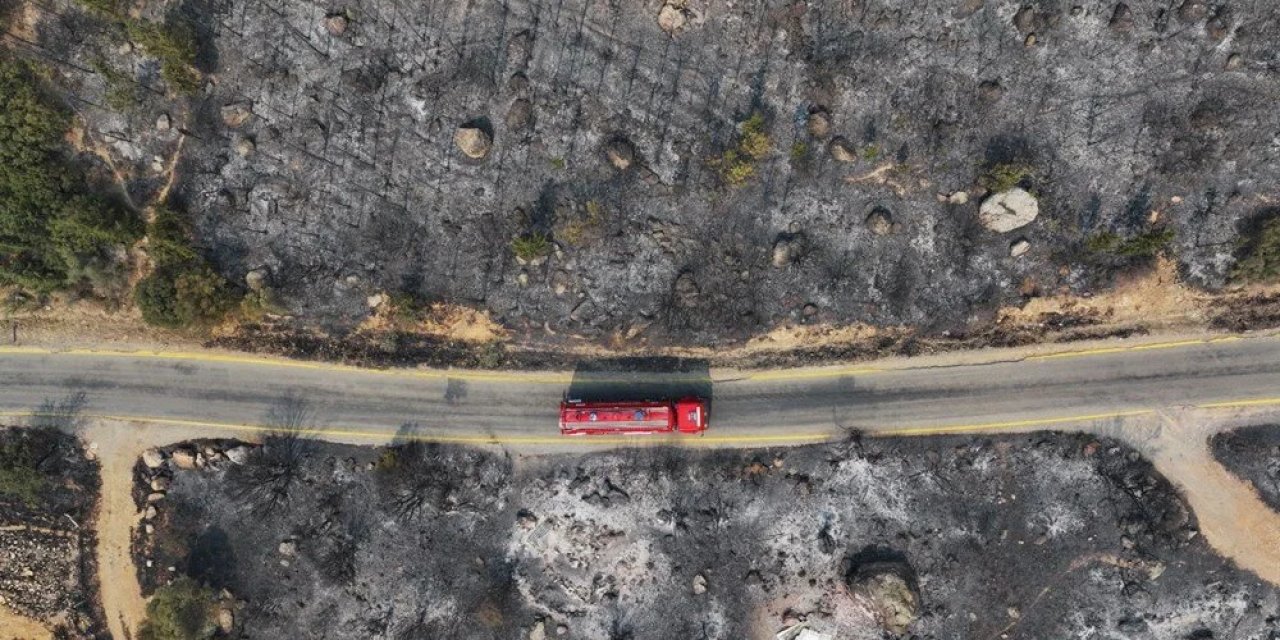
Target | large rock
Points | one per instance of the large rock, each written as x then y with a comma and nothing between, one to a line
880,221
183,459
787,248
238,455
686,290
672,17
620,154
236,114
842,150
886,588
519,114
1008,210
152,458
472,141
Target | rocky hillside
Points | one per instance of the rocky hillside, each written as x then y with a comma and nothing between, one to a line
696,169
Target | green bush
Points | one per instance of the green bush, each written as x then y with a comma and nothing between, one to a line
174,45
183,290
1005,176
19,478
531,246
738,164
1147,244
180,610
1259,257
50,228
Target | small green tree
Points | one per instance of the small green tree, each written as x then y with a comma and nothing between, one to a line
1259,259
183,290
180,610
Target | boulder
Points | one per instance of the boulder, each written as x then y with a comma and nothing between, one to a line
699,584
288,548
879,221
155,497
226,620
472,141
787,249
152,458
818,124
163,123
886,588
686,290
672,17
519,114
1008,210
538,631
621,153
1019,248
842,150
256,280
236,114
160,483
245,147
183,459
336,24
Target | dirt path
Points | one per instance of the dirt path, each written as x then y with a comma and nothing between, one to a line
118,448
16,627
1233,518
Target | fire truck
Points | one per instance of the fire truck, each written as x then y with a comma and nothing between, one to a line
687,415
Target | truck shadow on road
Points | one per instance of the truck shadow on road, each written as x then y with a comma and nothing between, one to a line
634,379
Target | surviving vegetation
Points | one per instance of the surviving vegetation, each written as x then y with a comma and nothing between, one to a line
54,231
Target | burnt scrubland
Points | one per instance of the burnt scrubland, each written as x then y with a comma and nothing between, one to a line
1036,536
678,171
48,499
1253,453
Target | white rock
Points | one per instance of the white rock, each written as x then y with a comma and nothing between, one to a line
238,455
1019,247
538,631
699,584
1008,210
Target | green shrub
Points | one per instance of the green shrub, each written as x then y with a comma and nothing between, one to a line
1147,244
183,290
19,478
174,45
51,229
1005,176
1259,257
738,164
871,153
180,610
531,246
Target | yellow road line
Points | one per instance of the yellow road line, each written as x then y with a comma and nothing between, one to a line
1011,425
549,378
1255,402
1137,347
765,376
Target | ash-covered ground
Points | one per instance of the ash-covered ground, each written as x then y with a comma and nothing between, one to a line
1035,536
1253,453
321,150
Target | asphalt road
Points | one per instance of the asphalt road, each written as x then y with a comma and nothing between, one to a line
239,393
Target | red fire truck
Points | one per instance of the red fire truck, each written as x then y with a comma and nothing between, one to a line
578,418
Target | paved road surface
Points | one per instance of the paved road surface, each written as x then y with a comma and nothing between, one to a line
237,392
